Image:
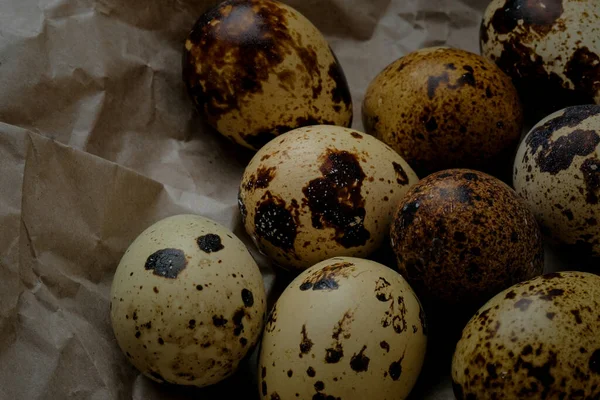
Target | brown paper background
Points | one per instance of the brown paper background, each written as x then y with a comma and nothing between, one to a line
98,140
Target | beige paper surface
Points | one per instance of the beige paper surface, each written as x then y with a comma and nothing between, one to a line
98,140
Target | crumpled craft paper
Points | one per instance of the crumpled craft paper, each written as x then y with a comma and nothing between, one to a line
98,140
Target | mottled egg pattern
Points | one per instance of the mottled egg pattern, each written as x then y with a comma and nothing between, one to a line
443,108
259,68
557,172
346,328
187,301
319,192
461,236
550,48
539,339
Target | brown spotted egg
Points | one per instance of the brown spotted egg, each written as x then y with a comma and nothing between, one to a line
320,192
187,301
461,236
539,339
550,48
259,68
347,328
557,172
444,108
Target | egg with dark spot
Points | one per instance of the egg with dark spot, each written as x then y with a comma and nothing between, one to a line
346,328
187,301
259,68
539,339
461,236
319,192
550,48
445,108
557,172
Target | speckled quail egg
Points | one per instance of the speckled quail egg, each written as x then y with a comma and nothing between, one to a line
539,339
461,236
346,328
550,48
187,301
320,192
557,172
259,68
445,108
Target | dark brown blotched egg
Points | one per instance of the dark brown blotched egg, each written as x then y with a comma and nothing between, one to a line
187,301
259,68
445,108
319,192
557,172
550,48
346,328
461,236
539,339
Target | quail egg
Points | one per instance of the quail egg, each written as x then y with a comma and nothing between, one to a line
187,301
259,68
557,172
539,339
320,192
461,236
445,108
346,328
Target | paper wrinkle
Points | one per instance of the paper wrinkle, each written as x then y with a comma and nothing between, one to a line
98,140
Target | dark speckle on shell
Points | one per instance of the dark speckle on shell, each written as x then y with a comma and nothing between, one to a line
218,320
360,362
276,222
401,176
335,200
261,180
247,298
167,263
237,320
385,346
553,156
448,257
395,369
333,355
327,278
305,344
210,243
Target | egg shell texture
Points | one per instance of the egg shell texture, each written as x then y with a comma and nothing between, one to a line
461,236
259,68
537,340
550,48
187,301
346,328
319,192
557,172
442,108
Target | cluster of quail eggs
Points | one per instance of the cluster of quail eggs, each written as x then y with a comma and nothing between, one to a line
318,198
